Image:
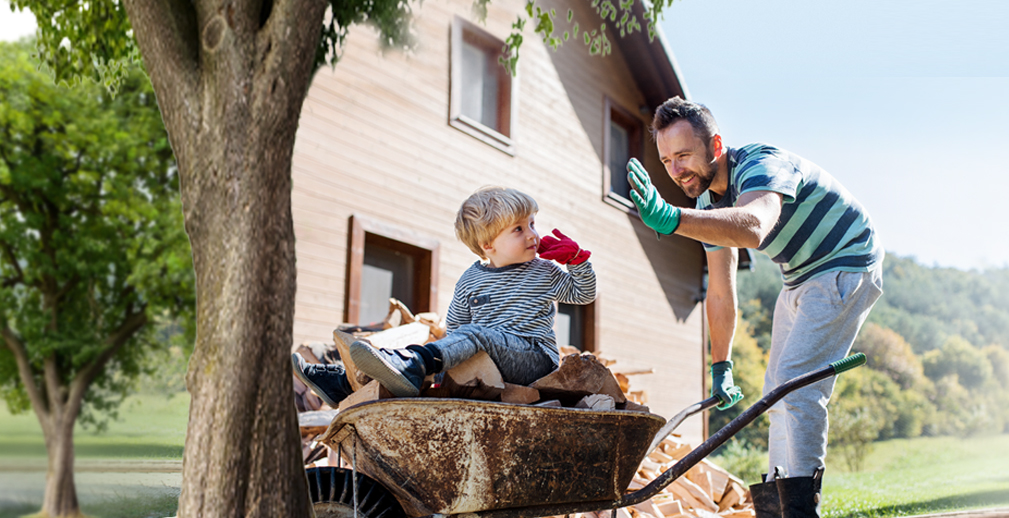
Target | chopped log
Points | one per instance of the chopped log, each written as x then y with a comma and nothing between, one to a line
551,403
661,458
307,353
633,407
400,337
519,394
398,315
719,479
316,422
579,376
356,378
567,349
670,508
699,475
733,495
638,396
476,378
650,465
438,326
597,402
370,392
739,513
693,495
623,513
625,384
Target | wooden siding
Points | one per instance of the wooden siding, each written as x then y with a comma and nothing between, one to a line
375,140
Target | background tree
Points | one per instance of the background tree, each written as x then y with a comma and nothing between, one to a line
230,78
92,251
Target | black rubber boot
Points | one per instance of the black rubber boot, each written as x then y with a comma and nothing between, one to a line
765,496
800,496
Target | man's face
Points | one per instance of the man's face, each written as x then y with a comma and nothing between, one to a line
689,160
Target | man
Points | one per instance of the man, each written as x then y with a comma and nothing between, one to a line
762,197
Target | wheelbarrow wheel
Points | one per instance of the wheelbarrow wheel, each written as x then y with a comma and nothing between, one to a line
332,492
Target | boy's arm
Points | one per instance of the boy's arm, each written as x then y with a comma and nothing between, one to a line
577,285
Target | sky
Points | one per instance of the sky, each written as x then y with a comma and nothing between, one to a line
905,102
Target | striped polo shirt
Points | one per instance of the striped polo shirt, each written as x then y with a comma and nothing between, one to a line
822,228
519,298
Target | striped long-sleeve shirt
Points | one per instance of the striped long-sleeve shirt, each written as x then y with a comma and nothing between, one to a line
519,298
822,227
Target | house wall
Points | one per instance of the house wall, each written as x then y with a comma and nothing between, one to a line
374,140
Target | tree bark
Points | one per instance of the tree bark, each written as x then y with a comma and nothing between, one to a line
60,498
230,79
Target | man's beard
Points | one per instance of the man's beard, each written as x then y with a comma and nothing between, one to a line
703,178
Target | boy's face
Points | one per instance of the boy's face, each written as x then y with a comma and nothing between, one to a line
517,243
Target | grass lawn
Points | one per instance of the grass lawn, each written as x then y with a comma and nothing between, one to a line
921,476
150,428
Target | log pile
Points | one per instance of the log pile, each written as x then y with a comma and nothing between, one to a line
582,380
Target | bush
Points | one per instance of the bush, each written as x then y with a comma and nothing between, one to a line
743,460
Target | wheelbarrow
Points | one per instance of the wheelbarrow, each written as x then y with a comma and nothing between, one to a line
438,457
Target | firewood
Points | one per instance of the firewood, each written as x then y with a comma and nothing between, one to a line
400,337
733,496
699,475
739,513
671,508
638,396
567,349
398,315
597,402
625,384
550,403
623,513
476,378
651,465
436,325
633,407
661,458
316,422
356,378
719,479
579,376
693,495
307,353
519,394
370,392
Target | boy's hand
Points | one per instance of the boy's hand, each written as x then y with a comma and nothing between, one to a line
654,211
562,249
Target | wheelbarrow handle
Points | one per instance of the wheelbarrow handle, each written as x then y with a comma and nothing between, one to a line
677,419
737,424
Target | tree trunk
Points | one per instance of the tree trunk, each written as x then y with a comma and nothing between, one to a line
230,79
60,498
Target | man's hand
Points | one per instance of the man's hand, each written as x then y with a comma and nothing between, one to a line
722,385
655,212
562,249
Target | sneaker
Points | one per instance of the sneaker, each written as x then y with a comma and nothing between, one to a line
328,381
400,371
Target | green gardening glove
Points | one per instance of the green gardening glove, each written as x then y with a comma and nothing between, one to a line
722,385
654,211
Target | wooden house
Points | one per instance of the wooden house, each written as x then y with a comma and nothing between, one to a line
391,142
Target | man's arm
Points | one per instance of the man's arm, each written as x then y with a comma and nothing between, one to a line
744,226
721,302
721,307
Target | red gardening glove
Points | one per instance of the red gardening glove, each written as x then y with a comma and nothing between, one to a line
563,250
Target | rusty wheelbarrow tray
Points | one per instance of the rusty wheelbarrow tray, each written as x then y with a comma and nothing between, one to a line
501,460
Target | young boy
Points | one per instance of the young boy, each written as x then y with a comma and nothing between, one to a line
504,306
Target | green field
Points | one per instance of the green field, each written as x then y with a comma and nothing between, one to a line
919,476
901,477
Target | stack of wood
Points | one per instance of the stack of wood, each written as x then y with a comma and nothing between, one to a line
582,380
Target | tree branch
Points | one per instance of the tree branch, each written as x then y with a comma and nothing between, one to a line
25,372
54,388
12,258
131,324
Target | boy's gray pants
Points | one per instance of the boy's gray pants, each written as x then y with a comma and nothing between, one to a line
520,361
814,325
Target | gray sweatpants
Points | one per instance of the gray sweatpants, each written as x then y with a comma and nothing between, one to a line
814,325
520,361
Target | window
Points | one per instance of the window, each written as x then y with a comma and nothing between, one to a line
574,325
621,142
481,92
388,262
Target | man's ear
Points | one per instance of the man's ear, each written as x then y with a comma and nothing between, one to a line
716,146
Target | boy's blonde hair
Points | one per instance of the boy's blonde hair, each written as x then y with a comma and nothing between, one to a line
489,211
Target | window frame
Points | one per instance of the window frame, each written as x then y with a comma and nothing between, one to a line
464,30
423,249
613,112
590,325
